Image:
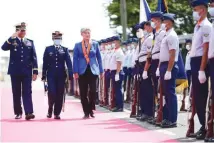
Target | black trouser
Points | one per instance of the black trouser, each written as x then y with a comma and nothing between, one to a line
85,80
21,87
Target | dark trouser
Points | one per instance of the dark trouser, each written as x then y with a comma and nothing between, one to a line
142,100
88,79
107,86
154,66
170,109
21,86
125,70
72,86
118,89
200,90
56,86
188,72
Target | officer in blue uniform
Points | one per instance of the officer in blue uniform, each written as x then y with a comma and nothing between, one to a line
23,63
199,66
54,71
169,52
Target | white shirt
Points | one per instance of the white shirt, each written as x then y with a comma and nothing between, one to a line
107,58
201,35
159,35
125,62
187,63
145,48
169,42
211,44
117,56
130,58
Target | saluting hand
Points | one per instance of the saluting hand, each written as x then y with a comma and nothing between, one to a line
34,77
15,34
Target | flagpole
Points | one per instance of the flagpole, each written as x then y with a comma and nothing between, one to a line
123,13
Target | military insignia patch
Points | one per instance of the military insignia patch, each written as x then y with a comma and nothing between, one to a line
27,43
50,53
206,35
15,43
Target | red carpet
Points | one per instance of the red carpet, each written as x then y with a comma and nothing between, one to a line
104,128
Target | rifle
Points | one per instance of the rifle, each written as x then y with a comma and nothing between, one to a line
160,110
134,98
210,116
191,128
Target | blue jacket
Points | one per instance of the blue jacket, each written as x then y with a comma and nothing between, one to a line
23,59
80,63
54,62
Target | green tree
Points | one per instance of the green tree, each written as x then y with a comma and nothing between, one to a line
181,8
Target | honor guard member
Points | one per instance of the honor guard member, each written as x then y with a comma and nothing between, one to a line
102,52
117,74
188,72
53,71
129,72
22,69
146,83
125,63
156,22
107,73
169,52
199,59
211,57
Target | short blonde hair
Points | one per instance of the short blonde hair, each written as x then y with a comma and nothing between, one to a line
85,29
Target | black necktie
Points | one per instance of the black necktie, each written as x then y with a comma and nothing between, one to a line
22,42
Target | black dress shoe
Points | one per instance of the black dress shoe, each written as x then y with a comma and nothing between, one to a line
201,135
92,114
29,116
49,115
19,116
57,117
209,139
143,118
168,124
86,117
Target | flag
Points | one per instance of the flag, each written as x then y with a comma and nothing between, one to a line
162,6
144,11
181,80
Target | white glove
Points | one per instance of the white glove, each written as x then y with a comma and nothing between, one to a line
145,75
157,72
117,77
202,77
167,75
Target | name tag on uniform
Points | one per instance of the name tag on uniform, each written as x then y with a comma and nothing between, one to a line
61,51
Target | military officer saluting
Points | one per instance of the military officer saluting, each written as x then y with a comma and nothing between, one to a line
54,72
169,52
23,64
199,60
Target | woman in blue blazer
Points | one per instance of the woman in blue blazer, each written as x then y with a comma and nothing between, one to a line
87,66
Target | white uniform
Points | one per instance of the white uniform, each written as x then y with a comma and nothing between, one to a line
130,57
187,63
201,36
169,42
211,44
145,47
117,56
158,39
